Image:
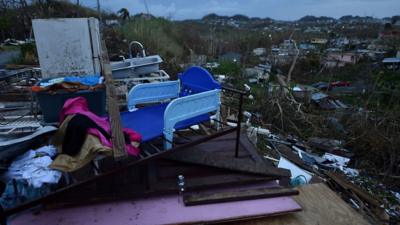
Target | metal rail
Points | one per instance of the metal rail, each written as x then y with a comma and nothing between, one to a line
241,93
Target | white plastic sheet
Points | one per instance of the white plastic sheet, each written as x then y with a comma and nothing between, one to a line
294,170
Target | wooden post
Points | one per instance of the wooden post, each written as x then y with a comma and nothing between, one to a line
117,136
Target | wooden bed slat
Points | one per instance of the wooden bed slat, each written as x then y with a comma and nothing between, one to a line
200,199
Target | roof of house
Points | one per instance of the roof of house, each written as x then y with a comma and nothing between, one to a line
391,60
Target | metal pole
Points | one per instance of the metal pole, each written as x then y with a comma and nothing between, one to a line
98,10
239,123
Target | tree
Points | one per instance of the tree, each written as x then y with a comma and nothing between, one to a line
6,22
124,14
388,27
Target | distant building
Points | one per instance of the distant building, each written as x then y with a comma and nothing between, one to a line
259,51
312,30
253,72
259,73
211,65
338,59
198,59
265,67
389,34
319,41
307,46
340,42
287,44
391,63
112,22
231,56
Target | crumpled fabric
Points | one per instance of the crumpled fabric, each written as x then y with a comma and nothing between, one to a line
33,167
91,80
90,149
25,193
79,105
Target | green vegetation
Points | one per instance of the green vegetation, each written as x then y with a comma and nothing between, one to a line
228,68
157,35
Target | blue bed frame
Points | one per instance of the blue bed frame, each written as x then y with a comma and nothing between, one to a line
181,104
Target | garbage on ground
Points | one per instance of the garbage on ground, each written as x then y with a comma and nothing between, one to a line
357,188
299,176
340,163
327,102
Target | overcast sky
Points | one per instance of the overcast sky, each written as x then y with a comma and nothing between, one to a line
276,9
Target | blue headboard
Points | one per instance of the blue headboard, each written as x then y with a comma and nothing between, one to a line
197,79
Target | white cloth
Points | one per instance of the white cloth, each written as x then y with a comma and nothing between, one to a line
33,166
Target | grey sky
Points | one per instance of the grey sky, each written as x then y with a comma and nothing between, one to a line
276,9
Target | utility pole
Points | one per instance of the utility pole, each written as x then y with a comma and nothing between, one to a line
77,8
98,10
147,7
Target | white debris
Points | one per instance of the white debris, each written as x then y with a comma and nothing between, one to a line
337,160
297,88
294,169
340,163
247,87
33,166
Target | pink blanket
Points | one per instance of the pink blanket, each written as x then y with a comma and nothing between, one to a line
79,105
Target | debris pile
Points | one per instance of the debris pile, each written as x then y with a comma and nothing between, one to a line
323,159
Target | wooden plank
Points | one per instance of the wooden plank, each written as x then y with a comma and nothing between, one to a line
200,199
320,206
346,184
164,209
221,154
117,136
291,156
209,181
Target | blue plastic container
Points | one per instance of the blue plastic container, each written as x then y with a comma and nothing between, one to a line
51,104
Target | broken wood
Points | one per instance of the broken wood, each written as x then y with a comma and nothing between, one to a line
342,181
200,199
218,154
288,154
117,136
205,129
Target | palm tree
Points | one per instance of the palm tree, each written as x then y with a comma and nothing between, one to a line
124,14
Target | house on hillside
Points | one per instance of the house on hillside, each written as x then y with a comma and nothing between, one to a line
259,51
312,30
391,63
340,59
287,44
319,41
307,47
341,42
198,59
112,22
